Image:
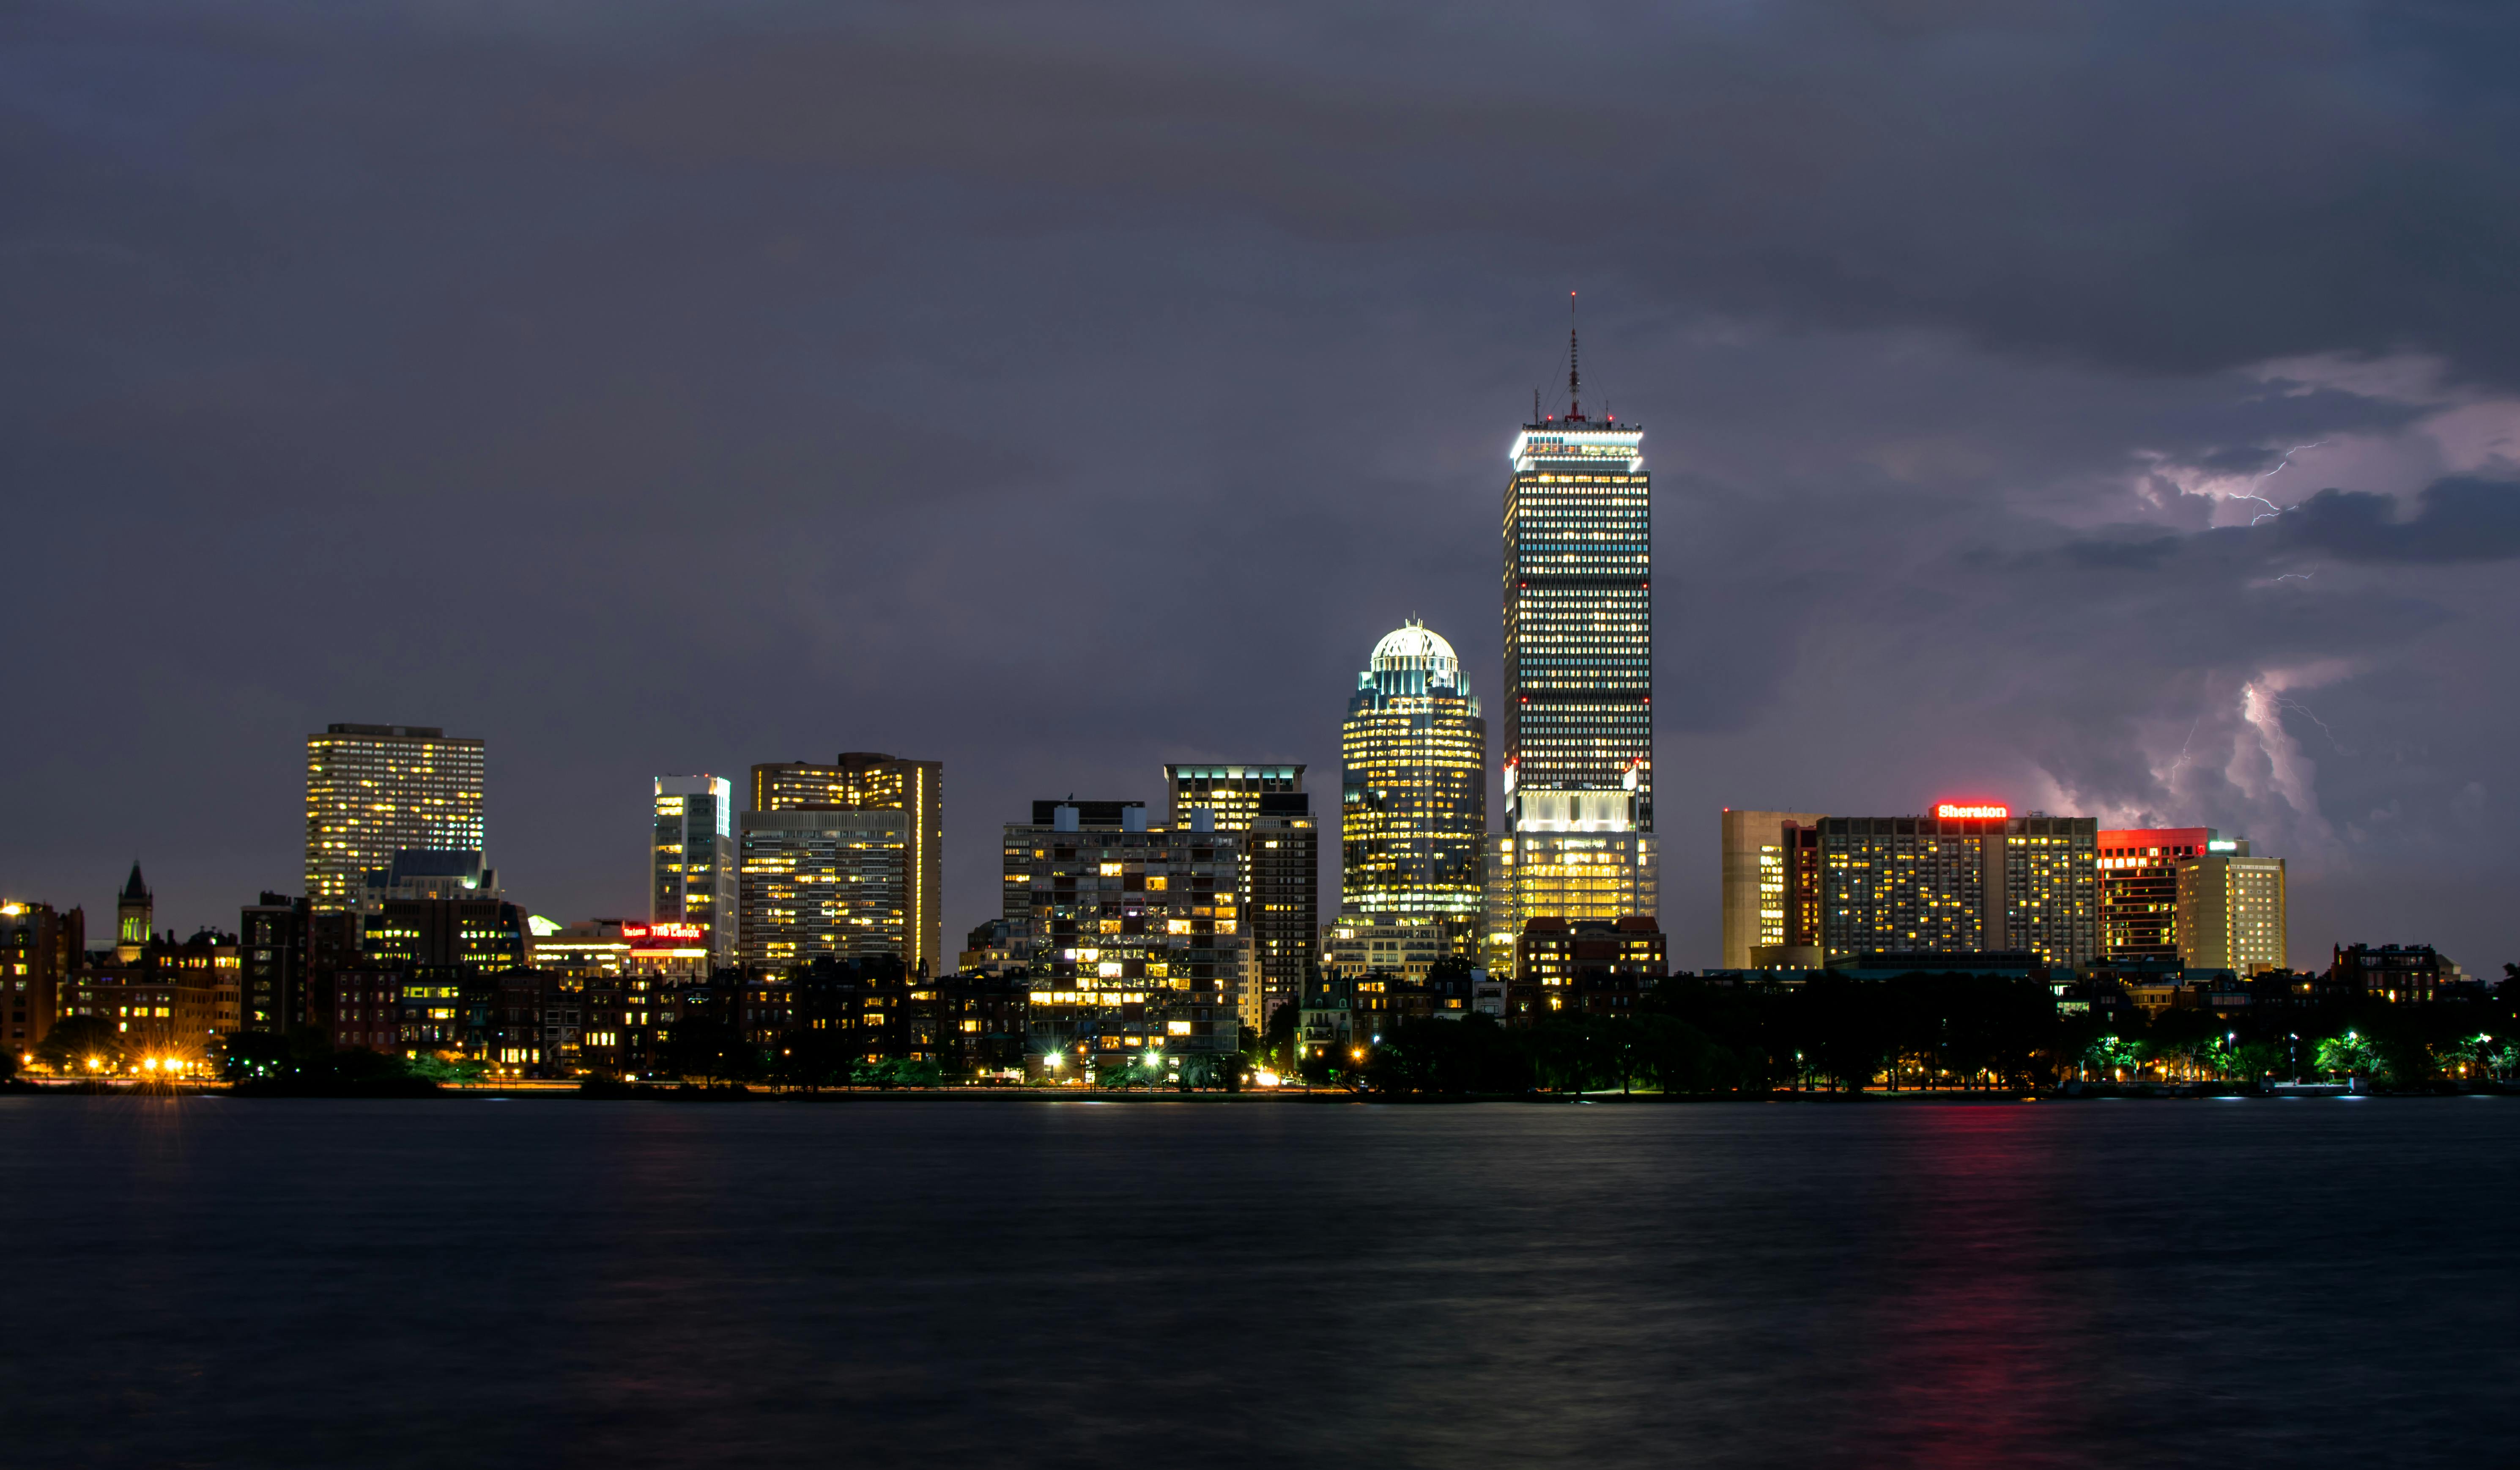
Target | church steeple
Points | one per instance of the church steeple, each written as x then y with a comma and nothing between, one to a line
133,915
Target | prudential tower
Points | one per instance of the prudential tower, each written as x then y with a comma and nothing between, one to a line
1578,841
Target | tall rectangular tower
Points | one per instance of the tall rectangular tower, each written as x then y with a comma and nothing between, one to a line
692,859
1578,676
372,791
1579,610
867,781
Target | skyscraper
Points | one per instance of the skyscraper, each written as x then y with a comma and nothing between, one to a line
1579,608
372,791
1280,871
692,859
867,781
1578,841
1412,785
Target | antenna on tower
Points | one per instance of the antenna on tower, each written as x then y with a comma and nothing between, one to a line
1535,408
1574,364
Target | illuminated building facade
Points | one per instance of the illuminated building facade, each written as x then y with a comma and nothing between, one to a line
825,882
1768,858
2230,910
1135,933
1406,948
1558,961
1986,881
170,1006
867,781
1282,865
1412,785
372,791
1578,855
2140,889
481,934
39,949
1579,609
692,860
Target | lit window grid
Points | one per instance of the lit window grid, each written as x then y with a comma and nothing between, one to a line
370,795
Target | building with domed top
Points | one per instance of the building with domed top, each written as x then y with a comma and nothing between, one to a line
1413,796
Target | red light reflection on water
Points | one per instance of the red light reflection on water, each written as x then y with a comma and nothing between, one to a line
1972,1357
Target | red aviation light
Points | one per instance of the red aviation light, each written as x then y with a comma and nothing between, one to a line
1966,809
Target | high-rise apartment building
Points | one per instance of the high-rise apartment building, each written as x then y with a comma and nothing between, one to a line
1280,870
1954,883
1763,904
2230,910
826,882
1134,931
867,781
39,949
1579,609
1413,784
692,860
2140,889
372,791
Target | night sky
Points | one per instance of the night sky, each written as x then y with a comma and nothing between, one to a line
1059,390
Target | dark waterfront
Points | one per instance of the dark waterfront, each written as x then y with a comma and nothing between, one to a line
219,1281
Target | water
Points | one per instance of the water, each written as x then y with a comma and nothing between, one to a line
269,1283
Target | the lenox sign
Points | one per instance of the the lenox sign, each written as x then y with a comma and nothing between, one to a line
1954,809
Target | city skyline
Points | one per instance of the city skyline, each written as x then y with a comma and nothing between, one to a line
2157,492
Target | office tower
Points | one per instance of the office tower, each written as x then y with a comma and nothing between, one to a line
1954,883
1281,873
693,860
2230,910
2140,889
826,882
274,965
1412,785
1760,857
1578,832
1579,609
39,949
133,911
867,781
372,791
1133,929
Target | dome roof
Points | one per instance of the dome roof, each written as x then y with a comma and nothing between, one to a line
1413,645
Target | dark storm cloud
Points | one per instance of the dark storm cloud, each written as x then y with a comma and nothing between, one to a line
1059,392
2463,520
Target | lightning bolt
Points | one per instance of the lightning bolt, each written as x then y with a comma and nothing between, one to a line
2272,509
2183,746
2312,716
2289,575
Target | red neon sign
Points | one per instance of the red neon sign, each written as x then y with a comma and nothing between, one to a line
668,930
1968,809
